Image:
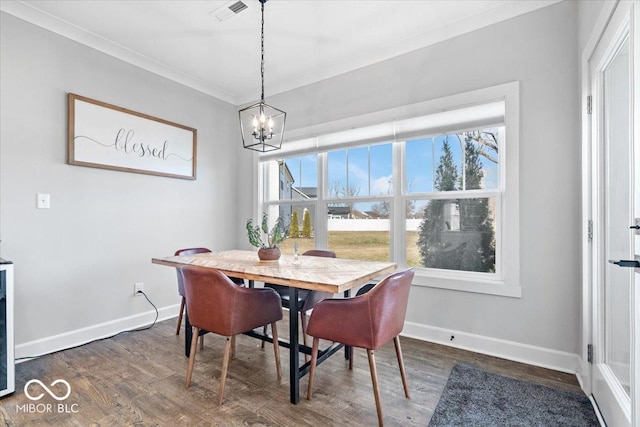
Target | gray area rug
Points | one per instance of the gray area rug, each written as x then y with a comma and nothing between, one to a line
473,397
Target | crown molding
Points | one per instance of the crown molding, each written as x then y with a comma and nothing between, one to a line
66,29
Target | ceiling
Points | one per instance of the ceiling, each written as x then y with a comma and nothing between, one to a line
305,40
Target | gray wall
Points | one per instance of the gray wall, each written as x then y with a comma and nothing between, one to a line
76,263
540,50
588,12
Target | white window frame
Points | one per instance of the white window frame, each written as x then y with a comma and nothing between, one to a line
497,194
506,280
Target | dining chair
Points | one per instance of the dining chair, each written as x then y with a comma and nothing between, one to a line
191,251
217,305
183,301
307,299
374,318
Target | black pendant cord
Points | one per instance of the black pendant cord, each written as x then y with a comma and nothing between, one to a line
262,51
263,122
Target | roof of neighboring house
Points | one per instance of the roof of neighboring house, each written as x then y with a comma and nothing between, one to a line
298,193
355,213
338,210
308,192
287,172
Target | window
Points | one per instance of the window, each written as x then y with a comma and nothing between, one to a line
357,200
453,233
427,191
299,175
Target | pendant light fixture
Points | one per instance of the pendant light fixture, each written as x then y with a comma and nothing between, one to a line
262,125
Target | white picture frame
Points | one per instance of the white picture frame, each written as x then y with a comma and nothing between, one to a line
105,136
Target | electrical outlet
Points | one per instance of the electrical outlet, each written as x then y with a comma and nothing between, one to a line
138,287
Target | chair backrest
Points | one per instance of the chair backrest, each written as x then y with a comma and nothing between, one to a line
187,251
320,252
192,251
388,306
373,318
315,297
366,288
218,305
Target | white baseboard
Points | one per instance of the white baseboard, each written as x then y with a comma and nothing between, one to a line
518,352
532,355
91,333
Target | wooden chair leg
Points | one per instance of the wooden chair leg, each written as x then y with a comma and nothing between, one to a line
351,358
233,347
276,348
201,342
182,304
376,389
192,356
312,366
264,332
396,341
225,367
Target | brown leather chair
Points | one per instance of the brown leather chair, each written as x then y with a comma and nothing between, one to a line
307,299
217,305
191,251
180,252
374,318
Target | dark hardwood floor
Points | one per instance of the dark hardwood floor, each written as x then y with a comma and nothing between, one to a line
138,378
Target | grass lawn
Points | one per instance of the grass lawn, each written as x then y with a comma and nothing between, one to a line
363,245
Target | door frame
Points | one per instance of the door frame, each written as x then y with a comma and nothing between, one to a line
634,46
591,236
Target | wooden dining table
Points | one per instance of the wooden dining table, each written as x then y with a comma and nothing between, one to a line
334,275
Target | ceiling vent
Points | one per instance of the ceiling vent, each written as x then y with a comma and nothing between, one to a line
229,10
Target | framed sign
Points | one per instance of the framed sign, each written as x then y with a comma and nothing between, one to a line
104,136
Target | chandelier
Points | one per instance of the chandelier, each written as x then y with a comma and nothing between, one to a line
261,125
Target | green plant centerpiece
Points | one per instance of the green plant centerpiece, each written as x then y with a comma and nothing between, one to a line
267,249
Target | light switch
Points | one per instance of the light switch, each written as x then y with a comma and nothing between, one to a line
43,201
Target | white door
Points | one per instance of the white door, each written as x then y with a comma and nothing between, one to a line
616,204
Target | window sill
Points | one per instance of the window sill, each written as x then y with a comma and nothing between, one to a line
479,286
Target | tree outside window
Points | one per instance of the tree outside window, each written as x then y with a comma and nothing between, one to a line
459,233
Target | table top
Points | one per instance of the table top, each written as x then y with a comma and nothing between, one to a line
333,275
